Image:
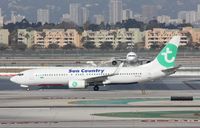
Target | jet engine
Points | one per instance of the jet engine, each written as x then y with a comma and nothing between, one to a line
77,84
114,62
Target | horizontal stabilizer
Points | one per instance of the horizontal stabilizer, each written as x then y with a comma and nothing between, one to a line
170,71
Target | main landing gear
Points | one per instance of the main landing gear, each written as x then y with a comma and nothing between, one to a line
96,88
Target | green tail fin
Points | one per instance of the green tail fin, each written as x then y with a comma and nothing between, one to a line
167,56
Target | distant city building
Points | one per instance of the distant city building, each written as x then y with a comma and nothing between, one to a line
159,37
113,36
191,17
127,14
139,17
74,10
164,19
182,15
1,21
43,16
66,17
198,8
85,15
4,33
115,11
16,18
176,21
98,19
198,13
168,20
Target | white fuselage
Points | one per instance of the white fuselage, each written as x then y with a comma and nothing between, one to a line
62,76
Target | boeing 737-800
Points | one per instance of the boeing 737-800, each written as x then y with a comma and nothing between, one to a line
82,77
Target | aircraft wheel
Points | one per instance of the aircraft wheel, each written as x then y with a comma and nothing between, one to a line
96,88
114,63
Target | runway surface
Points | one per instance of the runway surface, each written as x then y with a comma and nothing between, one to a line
78,109
43,108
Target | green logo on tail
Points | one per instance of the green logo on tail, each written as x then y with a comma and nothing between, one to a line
167,56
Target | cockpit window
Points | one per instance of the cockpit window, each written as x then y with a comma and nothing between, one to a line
131,55
20,74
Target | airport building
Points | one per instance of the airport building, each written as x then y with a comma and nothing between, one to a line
49,36
26,37
159,36
57,36
4,33
194,32
113,36
156,37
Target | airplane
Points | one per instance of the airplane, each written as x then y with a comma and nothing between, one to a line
82,77
131,59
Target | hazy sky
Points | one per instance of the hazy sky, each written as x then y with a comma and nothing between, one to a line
58,7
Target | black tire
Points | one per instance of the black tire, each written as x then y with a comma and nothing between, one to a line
114,63
96,88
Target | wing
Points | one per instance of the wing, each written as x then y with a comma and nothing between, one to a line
100,79
122,59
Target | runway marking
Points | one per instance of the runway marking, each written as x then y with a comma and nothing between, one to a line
184,115
100,106
27,122
170,121
117,101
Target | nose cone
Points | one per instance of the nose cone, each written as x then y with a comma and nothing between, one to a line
14,79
